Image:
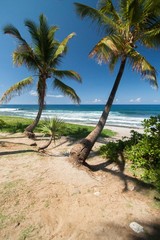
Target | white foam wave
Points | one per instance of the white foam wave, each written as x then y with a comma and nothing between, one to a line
9,109
85,117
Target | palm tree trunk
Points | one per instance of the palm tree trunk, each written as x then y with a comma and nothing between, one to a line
46,145
32,126
41,94
81,150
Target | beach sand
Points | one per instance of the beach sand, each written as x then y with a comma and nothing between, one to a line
46,196
123,131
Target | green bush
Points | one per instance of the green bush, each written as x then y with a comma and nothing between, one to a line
142,150
145,155
2,124
112,150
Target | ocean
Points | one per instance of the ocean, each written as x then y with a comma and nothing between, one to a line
120,115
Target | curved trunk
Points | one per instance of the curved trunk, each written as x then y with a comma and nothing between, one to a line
41,92
46,145
81,150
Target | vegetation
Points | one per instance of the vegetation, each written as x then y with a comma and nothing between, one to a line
54,128
126,25
17,124
142,151
42,57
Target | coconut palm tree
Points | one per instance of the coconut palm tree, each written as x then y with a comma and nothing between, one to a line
126,24
42,57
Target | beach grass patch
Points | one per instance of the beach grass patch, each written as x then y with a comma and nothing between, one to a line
79,131
76,131
27,232
3,219
13,124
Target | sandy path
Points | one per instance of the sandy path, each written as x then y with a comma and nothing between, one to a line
45,196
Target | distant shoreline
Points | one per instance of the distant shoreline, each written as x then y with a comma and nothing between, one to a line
130,116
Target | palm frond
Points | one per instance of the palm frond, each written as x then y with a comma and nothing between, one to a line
112,62
52,126
43,38
151,37
52,31
107,48
33,30
10,29
107,7
141,65
66,90
26,56
96,16
66,73
62,47
16,89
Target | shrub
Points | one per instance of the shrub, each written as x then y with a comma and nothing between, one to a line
142,150
146,153
112,150
2,124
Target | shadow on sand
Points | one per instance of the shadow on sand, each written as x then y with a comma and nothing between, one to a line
112,231
16,152
118,171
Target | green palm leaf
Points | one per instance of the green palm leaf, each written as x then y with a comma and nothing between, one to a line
66,73
52,126
141,65
107,48
98,16
25,56
66,90
62,47
16,89
107,7
10,29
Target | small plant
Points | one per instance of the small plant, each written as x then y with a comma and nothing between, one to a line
53,128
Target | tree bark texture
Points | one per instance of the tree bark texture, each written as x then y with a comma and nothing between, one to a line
41,94
82,149
46,145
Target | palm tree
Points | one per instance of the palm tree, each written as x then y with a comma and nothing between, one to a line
42,57
52,127
126,26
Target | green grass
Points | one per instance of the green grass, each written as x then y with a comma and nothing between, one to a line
17,124
13,124
27,232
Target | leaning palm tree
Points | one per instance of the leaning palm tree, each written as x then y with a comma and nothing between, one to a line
126,25
42,57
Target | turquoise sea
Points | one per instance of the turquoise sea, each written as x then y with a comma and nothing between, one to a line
120,115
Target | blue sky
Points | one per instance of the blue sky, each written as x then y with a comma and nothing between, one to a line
97,79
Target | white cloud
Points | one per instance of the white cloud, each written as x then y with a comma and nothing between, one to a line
33,93
96,100
137,100
55,96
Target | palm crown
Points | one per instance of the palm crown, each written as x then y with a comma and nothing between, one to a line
42,57
126,25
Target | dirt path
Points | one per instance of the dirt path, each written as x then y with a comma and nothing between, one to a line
44,196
